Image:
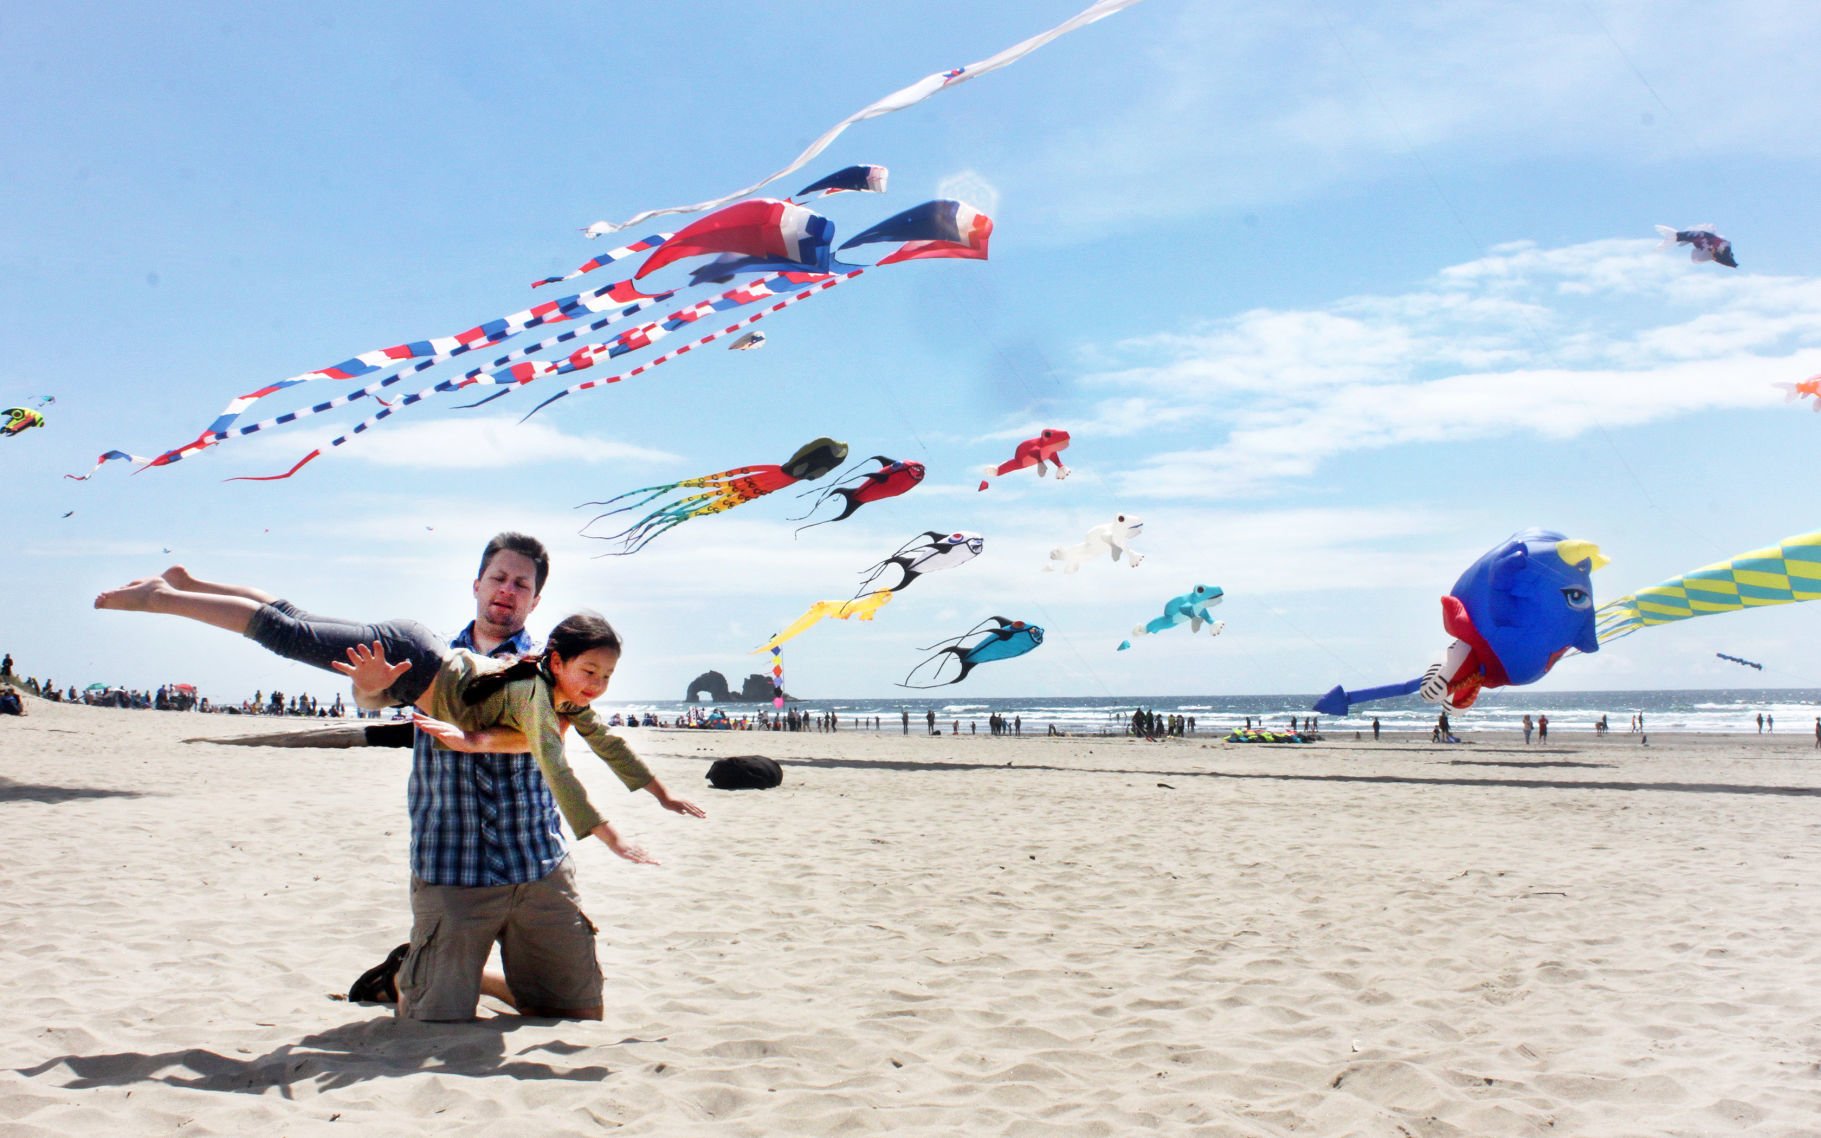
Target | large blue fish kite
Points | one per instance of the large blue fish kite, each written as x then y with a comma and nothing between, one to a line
1513,614
1011,639
1191,609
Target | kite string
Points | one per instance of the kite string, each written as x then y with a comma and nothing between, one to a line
1477,246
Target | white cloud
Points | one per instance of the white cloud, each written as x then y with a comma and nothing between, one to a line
1550,343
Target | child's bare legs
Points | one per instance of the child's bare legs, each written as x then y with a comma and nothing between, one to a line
179,578
156,594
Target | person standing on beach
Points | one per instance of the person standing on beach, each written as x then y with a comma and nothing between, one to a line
1818,732
1760,723
1770,724
905,716
1542,729
1528,728
1375,728
930,717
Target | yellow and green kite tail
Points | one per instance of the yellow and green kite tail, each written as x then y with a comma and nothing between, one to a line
1781,574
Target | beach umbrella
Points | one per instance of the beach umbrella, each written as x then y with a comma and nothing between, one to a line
99,687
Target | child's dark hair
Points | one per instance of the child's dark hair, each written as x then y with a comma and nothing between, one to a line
523,544
574,635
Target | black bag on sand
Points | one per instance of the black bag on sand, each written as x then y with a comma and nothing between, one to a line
745,772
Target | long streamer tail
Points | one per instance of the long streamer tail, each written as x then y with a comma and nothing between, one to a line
708,339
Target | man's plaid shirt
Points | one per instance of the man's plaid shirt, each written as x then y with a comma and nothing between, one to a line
481,819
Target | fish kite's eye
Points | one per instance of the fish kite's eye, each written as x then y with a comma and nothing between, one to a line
1577,598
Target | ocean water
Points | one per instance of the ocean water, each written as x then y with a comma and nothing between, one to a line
1729,711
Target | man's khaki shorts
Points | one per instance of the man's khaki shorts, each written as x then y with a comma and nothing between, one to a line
546,943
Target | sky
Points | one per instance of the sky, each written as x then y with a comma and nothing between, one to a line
1334,297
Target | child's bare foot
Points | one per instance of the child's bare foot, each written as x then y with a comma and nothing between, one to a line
134,596
177,577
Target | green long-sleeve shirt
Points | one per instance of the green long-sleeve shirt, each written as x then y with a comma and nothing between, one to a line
528,705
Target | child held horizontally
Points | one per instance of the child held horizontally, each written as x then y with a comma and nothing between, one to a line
468,702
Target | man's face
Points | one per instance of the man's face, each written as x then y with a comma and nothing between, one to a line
505,594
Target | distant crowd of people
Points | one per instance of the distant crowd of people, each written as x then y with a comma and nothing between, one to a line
170,697
1147,724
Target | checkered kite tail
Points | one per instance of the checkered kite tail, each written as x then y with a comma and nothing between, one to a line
594,263
1782,574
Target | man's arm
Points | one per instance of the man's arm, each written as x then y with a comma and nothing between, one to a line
488,740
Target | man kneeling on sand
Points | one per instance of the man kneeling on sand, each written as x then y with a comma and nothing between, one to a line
488,860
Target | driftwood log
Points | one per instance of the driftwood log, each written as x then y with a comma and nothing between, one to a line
341,735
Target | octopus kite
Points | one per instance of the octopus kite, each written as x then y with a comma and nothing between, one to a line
1011,639
926,553
1114,537
19,420
1191,609
718,494
1035,452
890,480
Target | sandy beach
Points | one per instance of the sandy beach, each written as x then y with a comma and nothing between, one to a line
919,936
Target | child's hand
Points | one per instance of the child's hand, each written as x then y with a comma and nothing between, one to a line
605,832
675,805
368,669
448,734
488,740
